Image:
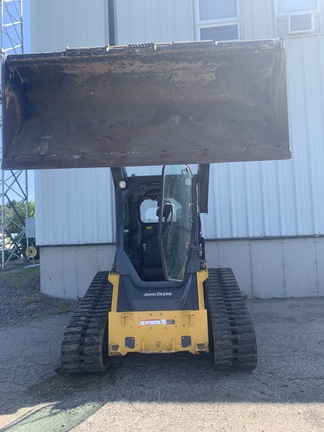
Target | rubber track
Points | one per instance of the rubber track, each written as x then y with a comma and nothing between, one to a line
85,340
233,335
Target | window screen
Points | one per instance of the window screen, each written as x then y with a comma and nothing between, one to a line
219,33
300,23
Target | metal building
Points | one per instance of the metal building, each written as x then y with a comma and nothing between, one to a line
266,219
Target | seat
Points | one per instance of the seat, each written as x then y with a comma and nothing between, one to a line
152,266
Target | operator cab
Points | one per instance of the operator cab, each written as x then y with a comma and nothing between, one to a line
158,224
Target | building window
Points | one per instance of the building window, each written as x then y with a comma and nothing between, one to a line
291,6
297,16
217,20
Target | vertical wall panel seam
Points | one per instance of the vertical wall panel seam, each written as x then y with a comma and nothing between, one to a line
279,194
161,19
131,20
316,267
65,216
97,259
265,207
76,269
251,269
246,199
313,145
273,19
218,257
106,22
321,90
52,225
307,126
231,221
80,230
283,269
254,21
263,199
63,273
321,57
196,36
294,174
146,12
249,203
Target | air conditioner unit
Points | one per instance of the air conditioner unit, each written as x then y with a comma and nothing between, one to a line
301,23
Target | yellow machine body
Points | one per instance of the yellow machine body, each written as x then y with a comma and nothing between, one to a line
158,331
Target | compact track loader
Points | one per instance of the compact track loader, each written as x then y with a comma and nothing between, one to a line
169,105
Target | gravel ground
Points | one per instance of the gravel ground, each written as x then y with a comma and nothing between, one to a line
160,393
21,299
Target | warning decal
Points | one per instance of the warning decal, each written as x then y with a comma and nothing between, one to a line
152,322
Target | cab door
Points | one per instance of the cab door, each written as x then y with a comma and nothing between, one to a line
176,220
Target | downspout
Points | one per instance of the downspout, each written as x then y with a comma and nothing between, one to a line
111,22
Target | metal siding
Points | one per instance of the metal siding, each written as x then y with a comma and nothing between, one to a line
306,95
145,21
74,207
314,49
57,24
257,19
279,198
283,198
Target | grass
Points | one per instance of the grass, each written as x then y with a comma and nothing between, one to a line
20,276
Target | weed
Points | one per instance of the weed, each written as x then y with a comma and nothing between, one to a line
21,276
